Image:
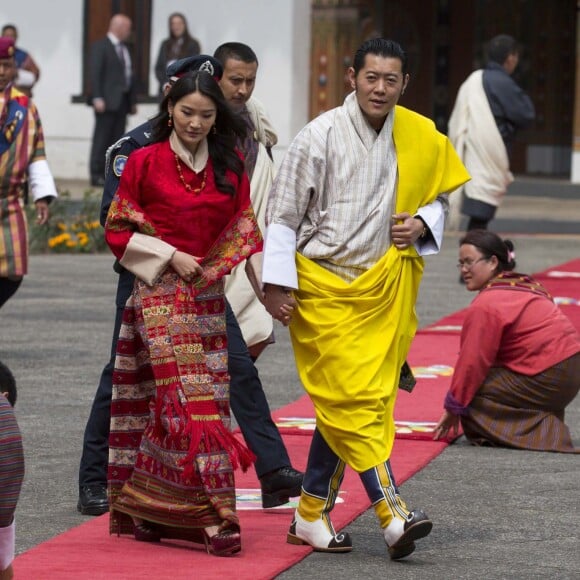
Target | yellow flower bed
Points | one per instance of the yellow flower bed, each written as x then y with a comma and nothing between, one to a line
73,226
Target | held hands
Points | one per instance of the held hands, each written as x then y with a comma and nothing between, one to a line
448,422
186,266
405,230
279,303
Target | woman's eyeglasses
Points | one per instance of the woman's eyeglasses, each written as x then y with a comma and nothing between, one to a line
468,264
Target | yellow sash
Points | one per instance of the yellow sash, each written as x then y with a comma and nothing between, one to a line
350,341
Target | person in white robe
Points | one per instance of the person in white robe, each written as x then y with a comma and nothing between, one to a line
237,83
255,322
490,107
242,286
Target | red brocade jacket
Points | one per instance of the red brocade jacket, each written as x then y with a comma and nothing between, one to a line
153,200
217,227
513,327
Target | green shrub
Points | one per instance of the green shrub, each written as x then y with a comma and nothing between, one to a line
73,226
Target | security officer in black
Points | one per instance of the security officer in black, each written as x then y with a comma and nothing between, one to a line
278,479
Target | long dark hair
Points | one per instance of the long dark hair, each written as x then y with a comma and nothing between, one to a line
228,126
490,244
177,47
186,36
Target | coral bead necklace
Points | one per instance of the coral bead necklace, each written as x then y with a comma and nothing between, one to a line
186,185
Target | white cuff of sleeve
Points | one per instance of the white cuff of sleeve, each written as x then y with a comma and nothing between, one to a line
279,262
433,215
146,257
7,541
40,180
25,78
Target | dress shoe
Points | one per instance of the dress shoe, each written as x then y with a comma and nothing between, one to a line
317,535
279,486
224,543
400,535
93,500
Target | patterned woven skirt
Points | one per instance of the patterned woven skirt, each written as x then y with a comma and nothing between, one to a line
524,412
11,462
171,453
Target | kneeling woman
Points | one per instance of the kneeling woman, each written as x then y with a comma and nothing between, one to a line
519,362
180,221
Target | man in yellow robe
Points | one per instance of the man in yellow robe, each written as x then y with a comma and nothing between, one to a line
359,199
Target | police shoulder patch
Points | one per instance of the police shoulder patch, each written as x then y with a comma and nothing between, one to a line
119,164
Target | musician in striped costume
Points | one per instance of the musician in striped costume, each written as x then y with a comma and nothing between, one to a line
22,165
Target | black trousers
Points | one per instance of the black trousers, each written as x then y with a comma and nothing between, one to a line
8,288
477,224
479,212
247,400
109,128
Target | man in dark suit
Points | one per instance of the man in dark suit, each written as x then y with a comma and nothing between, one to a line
112,92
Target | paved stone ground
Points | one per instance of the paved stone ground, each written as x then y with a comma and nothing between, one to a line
497,513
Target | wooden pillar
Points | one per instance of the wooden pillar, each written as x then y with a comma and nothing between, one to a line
336,34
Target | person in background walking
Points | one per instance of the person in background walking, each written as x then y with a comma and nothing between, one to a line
489,110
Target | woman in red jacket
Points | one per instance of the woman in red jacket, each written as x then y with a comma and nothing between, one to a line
519,362
180,221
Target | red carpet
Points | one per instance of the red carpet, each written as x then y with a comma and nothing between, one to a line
563,282
88,552
416,413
